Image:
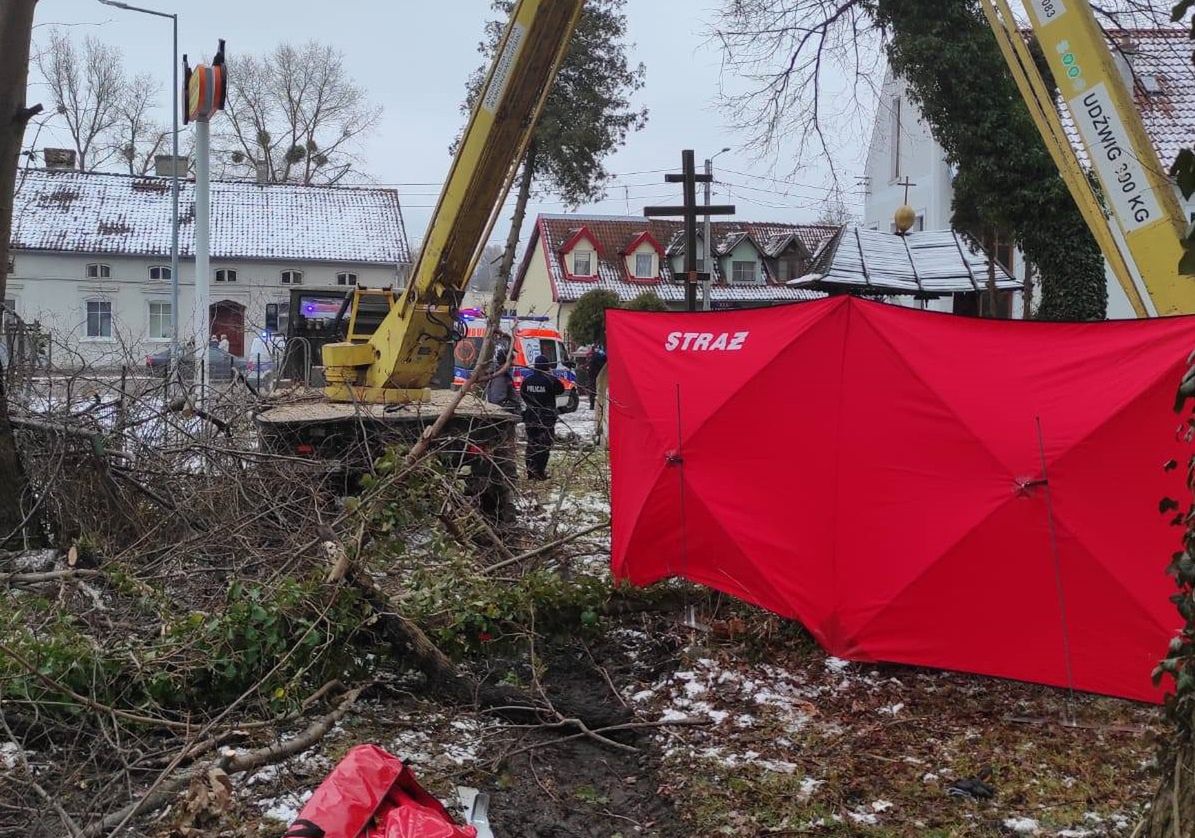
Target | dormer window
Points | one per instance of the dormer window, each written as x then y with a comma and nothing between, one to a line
579,255
583,262
743,272
642,256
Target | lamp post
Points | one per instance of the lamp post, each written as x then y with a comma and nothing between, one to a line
174,342
708,247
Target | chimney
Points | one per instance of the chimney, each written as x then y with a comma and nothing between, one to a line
165,164
59,158
263,172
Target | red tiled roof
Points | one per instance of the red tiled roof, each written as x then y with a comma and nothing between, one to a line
612,234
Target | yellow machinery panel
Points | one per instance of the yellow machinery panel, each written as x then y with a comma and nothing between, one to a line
397,362
1136,188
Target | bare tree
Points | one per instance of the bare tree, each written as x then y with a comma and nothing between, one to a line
294,115
88,86
16,27
834,211
135,136
810,69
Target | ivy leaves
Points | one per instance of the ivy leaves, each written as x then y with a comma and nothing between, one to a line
1006,180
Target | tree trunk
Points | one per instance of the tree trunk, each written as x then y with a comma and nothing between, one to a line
1027,293
1172,814
506,266
991,289
16,28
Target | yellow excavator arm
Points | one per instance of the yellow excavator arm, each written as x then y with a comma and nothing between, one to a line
395,363
1144,248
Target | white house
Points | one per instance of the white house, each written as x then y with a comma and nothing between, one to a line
1156,62
569,255
90,256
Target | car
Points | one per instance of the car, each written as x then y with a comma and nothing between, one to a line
220,364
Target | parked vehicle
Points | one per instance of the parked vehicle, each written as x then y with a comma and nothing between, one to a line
220,364
527,337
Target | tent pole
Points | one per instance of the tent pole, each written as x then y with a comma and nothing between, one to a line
1066,643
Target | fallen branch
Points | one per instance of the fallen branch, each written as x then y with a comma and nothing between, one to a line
62,689
46,576
232,763
552,545
404,634
72,828
598,733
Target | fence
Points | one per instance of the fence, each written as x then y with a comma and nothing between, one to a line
24,347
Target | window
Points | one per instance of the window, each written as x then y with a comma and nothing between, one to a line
790,268
345,278
292,277
99,319
159,272
643,266
98,271
895,145
226,275
583,263
161,324
742,271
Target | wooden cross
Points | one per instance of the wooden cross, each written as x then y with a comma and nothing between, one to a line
689,178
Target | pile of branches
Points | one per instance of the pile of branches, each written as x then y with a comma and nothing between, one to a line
201,606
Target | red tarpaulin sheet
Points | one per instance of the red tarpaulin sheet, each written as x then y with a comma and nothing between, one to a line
371,794
877,473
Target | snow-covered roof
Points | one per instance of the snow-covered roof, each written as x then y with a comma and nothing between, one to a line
925,263
92,212
612,233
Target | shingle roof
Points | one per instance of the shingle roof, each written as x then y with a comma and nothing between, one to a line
91,212
924,263
612,233
1168,113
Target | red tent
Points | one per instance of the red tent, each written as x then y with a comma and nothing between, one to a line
978,495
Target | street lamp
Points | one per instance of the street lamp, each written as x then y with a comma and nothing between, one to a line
708,265
174,342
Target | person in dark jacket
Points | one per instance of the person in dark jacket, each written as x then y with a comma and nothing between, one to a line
597,360
540,390
500,389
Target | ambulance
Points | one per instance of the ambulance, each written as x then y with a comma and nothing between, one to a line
529,337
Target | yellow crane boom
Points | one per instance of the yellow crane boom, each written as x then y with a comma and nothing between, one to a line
396,362
1137,191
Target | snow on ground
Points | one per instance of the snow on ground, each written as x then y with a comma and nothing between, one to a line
10,755
1023,826
581,425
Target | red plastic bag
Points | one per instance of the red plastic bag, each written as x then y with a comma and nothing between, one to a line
371,794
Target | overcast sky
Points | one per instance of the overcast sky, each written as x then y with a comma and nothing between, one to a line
413,58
